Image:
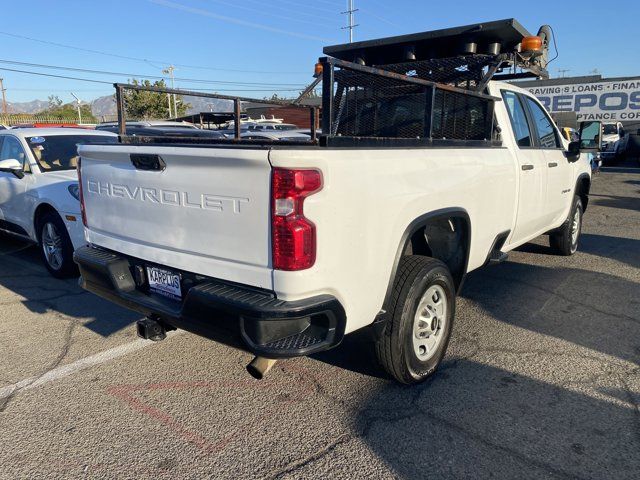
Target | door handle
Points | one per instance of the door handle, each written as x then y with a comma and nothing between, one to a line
527,167
553,164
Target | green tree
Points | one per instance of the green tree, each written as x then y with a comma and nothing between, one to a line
141,104
68,111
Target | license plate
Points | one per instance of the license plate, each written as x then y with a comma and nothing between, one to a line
164,282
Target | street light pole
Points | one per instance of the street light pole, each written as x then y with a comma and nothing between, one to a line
78,104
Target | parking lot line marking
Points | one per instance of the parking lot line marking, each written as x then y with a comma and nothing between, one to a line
77,366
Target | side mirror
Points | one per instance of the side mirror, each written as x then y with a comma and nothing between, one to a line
590,137
11,165
621,131
573,151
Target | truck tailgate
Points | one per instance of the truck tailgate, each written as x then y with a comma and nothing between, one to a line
205,210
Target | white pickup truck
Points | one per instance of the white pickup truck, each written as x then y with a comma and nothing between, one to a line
282,248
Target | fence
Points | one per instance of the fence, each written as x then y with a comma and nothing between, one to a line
22,118
12,119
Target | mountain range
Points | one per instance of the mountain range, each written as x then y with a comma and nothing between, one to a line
106,106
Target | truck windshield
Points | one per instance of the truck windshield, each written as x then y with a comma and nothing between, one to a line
60,152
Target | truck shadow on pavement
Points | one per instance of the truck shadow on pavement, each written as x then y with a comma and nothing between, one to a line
616,201
23,274
473,420
594,310
623,250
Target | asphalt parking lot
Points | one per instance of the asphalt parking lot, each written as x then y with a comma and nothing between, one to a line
541,380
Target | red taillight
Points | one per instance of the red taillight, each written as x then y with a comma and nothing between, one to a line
82,210
293,235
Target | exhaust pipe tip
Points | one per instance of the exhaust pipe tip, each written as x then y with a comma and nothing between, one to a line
260,366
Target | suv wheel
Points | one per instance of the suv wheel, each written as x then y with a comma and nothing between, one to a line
56,248
421,318
565,240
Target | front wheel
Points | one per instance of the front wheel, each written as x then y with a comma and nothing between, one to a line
421,315
565,240
56,248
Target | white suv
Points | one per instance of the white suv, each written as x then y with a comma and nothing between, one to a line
39,190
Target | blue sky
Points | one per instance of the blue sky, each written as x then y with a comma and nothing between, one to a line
271,42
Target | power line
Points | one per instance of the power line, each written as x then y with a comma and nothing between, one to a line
55,76
111,83
378,17
315,20
308,5
287,8
140,75
333,4
235,21
138,59
93,90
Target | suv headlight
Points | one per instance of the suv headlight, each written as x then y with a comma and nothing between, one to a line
74,190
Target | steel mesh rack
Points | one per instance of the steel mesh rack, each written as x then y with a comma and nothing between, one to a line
383,107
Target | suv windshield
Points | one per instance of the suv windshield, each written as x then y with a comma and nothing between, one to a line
60,152
609,129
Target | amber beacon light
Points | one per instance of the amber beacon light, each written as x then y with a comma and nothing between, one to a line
531,45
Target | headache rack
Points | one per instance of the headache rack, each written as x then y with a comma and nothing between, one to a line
365,105
421,89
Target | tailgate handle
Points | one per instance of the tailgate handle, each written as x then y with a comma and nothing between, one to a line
527,167
147,161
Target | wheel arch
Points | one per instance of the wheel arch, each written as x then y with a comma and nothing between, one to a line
40,210
583,185
412,232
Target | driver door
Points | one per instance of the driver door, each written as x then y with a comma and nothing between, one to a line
14,215
531,170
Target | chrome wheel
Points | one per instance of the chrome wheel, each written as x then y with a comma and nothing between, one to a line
429,322
52,245
575,228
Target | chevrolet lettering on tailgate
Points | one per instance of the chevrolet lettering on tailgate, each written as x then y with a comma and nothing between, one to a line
204,201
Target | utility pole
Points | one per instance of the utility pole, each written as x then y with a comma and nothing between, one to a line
169,70
350,26
4,98
562,72
78,104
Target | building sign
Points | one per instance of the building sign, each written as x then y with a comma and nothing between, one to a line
618,101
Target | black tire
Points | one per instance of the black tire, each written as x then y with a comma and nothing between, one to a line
67,268
562,241
395,348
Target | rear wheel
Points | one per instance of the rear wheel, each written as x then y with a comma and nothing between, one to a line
565,240
421,318
56,248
